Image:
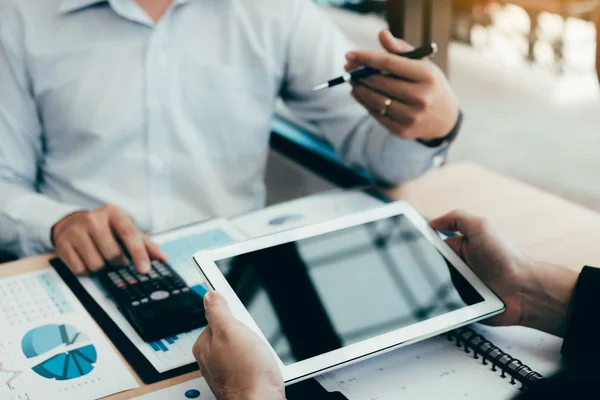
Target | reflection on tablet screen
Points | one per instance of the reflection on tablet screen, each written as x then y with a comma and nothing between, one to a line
329,291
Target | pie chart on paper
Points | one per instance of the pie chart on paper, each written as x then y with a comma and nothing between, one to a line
77,359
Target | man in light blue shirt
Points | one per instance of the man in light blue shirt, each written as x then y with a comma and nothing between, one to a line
126,116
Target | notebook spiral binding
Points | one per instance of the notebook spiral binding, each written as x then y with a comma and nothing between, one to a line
482,348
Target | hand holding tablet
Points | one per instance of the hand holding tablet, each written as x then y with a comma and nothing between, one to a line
331,294
228,339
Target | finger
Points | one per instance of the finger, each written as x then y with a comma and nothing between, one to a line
88,252
132,240
414,70
67,253
375,102
401,90
456,221
154,251
218,315
351,66
392,44
393,126
456,243
201,348
107,244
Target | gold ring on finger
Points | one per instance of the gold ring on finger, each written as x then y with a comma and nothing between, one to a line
386,106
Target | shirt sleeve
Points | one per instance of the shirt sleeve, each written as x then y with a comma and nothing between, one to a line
579,377
583,328
26,216
316,53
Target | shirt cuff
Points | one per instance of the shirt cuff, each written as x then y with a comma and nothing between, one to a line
583,329
37,221
394,160
449,138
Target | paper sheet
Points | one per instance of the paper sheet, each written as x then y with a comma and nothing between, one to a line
432,369
306,211
195,389
538,350
436,368
49,346
180,245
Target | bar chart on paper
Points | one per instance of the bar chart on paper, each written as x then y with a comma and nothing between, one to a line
180,246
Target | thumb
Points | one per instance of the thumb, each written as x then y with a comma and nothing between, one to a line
218,315
456,221
392,44
456,244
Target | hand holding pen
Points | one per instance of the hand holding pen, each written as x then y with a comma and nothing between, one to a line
428,50
409,97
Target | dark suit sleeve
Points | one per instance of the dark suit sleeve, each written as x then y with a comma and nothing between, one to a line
580,378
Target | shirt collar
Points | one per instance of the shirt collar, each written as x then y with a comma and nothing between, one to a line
68,6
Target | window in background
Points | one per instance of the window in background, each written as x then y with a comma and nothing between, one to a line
524,72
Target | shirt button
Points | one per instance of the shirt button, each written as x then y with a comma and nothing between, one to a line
438,161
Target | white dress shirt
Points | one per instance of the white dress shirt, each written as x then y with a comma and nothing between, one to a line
169,120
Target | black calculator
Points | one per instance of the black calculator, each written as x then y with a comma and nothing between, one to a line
158,304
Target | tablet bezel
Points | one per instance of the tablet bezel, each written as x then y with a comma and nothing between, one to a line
491,304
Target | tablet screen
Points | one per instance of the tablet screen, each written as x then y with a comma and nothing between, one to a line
329,291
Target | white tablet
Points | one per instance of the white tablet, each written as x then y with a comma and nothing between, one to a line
331,294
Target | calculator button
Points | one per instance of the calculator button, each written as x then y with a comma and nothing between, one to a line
135,303
143,278
176,291
185,289
159,295
144,300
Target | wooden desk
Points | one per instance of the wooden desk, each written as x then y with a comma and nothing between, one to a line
543,225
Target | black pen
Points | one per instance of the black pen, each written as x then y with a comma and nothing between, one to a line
364,72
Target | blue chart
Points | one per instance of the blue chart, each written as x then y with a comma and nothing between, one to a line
174,351
284,219
73,363
192,394
200,289
181,250
54,293
162,345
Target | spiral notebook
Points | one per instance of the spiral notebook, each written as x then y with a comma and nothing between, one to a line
473,362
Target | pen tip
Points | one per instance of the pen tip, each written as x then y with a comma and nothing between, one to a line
321,86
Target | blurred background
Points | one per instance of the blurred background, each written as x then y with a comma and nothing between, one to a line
524,72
